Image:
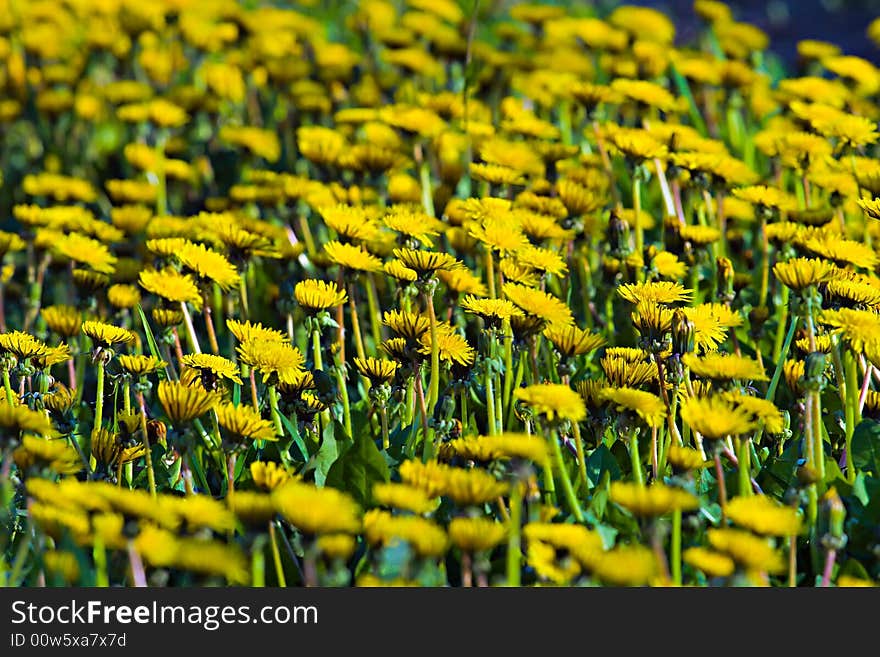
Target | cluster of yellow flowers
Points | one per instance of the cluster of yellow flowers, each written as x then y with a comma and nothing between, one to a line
436,296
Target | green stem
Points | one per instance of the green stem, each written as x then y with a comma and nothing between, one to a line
427,193
637,211
567,488
356,326
99,395
490,402
258,564
744,458
635,459
151,475
190,329
765,265
374,311
851,410
520,365
383,417
675,548
434,385
514,539
780,330
21,554
99,554
273,406
582,461
276,555
7,385
316,349
343,392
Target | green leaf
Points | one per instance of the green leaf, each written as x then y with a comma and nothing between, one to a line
297,439
151,342
601,494
331,449
778,473
866,446
600,462
359,468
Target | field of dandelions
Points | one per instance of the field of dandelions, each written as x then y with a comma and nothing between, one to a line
434,293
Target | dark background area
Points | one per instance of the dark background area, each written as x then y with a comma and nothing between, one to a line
843,22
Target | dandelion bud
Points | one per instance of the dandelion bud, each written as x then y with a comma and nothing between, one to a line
725,292
757,317
683,331
832,505
618,236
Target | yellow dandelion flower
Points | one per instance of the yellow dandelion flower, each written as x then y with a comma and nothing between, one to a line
764,410
490,448
723,367
107,335
210,365
171,285
713,564
243,422
623,373
492,310
663,292
765,197
462,486
426,538
247,331
268,475
183,403
635,143
646,93
351,256
139,365
379,371
858,328
87,251
22,345
407,325
66,321
36,453
499,235
685,458
764,516
208,264
646,405
396,269
840,250
476,534
542,557
572,340
626,565
425,263
539,304
317,510
716,418
554,401
655,500
801,273
254,508
271,358
747,550
315,295
404,496
451,346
